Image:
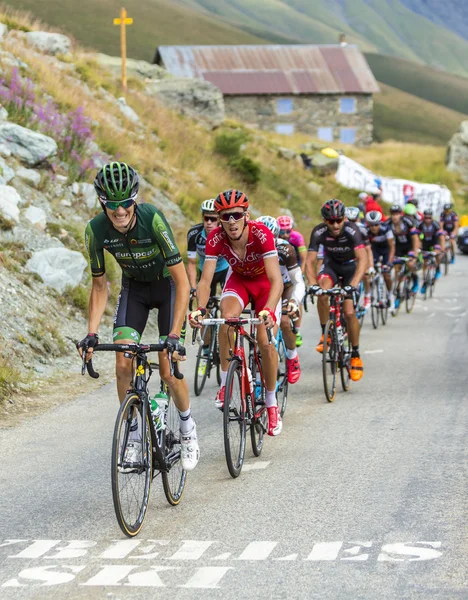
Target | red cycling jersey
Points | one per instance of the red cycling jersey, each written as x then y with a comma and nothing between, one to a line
260,245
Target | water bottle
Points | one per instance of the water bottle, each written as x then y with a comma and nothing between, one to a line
258,385
158,409
249,375
339,329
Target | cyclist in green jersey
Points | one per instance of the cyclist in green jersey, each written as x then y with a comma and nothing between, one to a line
153,276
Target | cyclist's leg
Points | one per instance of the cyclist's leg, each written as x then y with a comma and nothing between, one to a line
346,272
326,279
131,315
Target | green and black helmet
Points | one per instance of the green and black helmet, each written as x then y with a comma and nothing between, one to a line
116,182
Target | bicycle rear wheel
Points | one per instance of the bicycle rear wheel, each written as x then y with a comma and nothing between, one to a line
345,361
330,358
375,299
173,480
234,426
131,482
432,281
202,366
410,296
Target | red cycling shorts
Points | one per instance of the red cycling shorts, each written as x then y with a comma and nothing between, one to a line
255,290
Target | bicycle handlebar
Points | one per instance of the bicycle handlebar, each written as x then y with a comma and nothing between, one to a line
234,321
136,349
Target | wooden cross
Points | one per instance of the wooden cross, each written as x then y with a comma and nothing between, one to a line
123,22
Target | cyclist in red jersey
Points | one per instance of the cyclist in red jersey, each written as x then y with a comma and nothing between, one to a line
249,248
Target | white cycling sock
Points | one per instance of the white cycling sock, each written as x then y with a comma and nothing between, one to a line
185,421
223,378
291,353
270,399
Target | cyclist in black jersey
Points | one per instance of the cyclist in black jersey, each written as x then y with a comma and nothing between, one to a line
433,239
449,223
407,243
352,214
345,260
382,243
153,276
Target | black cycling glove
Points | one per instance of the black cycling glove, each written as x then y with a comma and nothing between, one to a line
91,340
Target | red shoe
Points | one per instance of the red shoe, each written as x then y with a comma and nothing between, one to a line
294,369
219,400
275,424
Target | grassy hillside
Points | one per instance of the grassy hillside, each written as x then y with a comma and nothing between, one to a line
407,118
430,84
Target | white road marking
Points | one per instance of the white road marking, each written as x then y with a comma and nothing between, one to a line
258,551
257,465
373,351
207,577
223,556
325,551
406,550
191,550
36,549
289,557
120,549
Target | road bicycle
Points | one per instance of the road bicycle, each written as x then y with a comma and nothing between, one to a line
160,441
208,356
430,274
448,254
403,287
243,410
282,383
336,354
379,297
360,310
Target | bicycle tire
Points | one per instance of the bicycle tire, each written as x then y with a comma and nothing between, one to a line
375,313
217,358
330,361
259,426
282,378
432,280
384,307
447,258
201,374
234,412
398,301
345,361
130,525
410,296
174,480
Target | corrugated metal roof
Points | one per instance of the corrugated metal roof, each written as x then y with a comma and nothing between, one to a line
288,69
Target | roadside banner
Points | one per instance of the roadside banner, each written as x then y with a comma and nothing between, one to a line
394,191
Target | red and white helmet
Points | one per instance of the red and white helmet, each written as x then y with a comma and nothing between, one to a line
285,222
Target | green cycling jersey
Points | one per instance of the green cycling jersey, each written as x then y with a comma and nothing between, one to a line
143,253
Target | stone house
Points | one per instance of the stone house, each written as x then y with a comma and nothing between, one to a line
323,91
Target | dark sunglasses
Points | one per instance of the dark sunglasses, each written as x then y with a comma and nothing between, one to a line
210,219
331,221
374,224
235,216
427,217
111,205
285,231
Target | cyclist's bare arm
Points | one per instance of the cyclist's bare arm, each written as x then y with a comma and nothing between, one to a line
303,256
182,286
204,285
442,242
391,245
416,243
362,266
273,273
370,257
97,302
310,264
192,272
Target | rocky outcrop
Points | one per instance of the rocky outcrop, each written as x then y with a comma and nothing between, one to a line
49,43
37,216
139,68
127,110
30,175
199,100
9,200
457,151
29,146
58,267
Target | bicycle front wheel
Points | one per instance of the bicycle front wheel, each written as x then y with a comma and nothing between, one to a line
282,378
345,361
410,296
384,307
131,481
202,366
234,426
375,299
174,479
330,359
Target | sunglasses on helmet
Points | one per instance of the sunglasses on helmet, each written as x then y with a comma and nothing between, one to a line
210,219
111,205
235,216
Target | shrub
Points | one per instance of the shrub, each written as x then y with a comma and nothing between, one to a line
77,296
8,377
229,143
247,168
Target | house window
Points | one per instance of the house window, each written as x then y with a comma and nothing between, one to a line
325,134
284,128
348,135
347,105
284,106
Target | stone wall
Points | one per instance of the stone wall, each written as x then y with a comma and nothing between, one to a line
309,113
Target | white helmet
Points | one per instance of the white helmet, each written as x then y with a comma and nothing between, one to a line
352,213
362,196
271,223
208,206
373,217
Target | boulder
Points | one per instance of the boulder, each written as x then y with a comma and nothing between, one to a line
324,165
9,200
6,172
457,151
29,146
197,99
58,267
315,188
140,68
287,153
89,195
3,112
127,111
36,216
3,30
29,175
49,43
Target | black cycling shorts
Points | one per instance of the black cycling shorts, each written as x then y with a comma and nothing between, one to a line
135,301
219,277
402,249
381,252
338,273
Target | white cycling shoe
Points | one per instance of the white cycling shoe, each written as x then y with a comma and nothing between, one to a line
132,455
189,449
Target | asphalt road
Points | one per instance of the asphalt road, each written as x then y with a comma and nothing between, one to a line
364,498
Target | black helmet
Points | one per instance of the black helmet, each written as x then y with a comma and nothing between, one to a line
333,209
428,212
447,206
116,182
395,208
231,199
